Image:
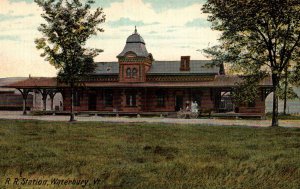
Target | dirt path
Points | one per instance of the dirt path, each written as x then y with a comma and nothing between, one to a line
239,122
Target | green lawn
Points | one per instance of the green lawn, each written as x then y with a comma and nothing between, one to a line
149,155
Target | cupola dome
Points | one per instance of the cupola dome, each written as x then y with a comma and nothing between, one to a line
135,44
135,38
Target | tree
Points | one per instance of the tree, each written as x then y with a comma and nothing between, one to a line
69,24
259,37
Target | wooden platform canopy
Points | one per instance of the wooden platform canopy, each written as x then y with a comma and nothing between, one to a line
50,86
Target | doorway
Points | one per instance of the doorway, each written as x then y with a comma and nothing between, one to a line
92,102
178,102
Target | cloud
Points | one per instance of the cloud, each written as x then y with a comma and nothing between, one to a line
18,22
4,17
198,22
153,32
139,10
168,33
19,8
186,47
20,58
105,3
171,30
128,22
157,5
17,1
160,6
9,38
98,3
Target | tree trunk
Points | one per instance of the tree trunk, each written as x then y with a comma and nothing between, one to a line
72,115
275,81
285,90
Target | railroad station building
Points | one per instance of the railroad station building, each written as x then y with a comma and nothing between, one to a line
137,83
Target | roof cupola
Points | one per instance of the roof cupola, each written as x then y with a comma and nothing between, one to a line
135,44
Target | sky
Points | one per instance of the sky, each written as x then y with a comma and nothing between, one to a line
170,28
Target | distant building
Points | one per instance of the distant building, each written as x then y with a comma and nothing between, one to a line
12,99
137,83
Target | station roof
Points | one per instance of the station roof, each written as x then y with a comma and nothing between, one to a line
220,81
163,68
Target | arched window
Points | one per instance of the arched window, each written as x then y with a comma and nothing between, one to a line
128,72
134,72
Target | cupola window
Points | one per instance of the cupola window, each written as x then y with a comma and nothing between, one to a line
134,72
128,72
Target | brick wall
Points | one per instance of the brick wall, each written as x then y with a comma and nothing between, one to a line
207,102
146,100
259,107
12,101
170,99
151,105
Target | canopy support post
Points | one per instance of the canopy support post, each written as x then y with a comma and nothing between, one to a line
44,94
24,93
52,95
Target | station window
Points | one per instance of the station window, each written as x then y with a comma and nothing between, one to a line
108,98
131,100
160,96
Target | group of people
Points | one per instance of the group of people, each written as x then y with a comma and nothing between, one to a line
193,108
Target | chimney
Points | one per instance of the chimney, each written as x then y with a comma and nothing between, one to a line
185,63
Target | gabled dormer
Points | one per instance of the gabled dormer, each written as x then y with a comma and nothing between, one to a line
134,60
